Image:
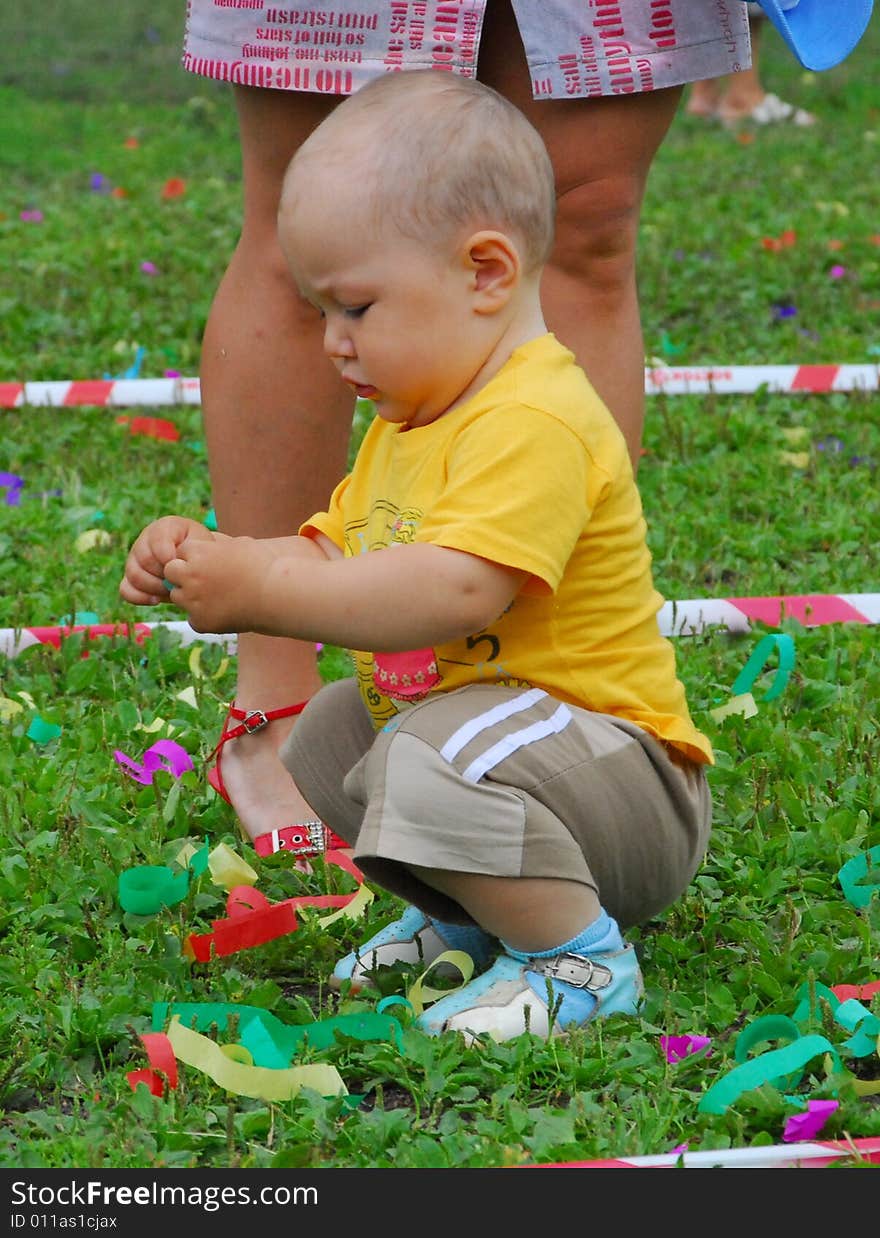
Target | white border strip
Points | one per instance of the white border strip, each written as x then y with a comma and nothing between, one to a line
683,618
671,380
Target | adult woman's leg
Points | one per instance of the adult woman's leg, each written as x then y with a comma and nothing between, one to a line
602,149
277,424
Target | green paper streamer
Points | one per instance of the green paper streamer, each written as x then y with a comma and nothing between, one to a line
778,1064
269,1041
199,862
864,1025
148,888
850,877
81,618
42,732
760,1031
805,1011
773,641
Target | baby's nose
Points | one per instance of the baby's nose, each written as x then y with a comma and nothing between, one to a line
337,341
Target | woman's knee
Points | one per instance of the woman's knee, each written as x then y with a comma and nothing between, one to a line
596,233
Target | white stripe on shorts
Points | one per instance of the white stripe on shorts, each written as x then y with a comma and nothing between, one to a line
519,739
465,733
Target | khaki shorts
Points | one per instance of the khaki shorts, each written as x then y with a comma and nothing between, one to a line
508,783
575,49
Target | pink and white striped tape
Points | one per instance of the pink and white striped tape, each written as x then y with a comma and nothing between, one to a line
811,1155
685,618
675,380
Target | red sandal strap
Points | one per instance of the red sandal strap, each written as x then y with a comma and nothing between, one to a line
251,720
306,838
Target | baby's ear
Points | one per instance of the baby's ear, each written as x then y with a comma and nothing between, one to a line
496,268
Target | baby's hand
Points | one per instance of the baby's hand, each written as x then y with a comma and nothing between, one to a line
143,581
218,581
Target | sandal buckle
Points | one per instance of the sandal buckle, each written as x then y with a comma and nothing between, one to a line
254,720
574,969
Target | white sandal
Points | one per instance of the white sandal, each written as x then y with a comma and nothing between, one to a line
770,111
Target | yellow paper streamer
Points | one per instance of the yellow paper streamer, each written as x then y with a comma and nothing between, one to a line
188,696
353,910
420,995
797,459
90,539
866,1087
185,854
228,869
195,665
743,704
795,434
238,1053
9,708
261,1082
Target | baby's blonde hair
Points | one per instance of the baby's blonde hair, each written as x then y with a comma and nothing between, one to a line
437,153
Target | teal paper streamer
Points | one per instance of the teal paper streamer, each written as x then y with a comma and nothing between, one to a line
779,642
770,1067
849,877
804,1011
760,1031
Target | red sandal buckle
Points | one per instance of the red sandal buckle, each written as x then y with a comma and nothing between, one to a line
304,839
254,720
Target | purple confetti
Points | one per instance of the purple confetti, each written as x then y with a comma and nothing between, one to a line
149,268
31,217
12,484
837,271
781,310
98,183
830,443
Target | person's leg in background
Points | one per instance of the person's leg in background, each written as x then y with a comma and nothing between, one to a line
602,150
742,96
277,424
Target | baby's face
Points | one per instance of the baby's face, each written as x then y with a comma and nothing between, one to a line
399,322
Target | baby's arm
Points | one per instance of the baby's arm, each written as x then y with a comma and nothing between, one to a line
145,581
402,597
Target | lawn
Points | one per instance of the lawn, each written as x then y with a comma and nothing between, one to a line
119,202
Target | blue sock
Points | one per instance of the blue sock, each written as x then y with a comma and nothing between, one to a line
602,934
577,1004
468,937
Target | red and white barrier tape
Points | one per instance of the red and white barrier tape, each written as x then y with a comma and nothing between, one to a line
674,380
685,618
812,1155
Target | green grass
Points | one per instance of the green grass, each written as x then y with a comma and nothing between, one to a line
795,787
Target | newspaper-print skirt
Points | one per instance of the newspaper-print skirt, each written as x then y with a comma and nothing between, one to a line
574,48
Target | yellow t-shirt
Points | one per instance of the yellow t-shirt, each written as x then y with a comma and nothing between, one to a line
531,472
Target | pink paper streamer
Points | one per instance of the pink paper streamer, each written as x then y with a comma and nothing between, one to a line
807,1125
677,1048
164,754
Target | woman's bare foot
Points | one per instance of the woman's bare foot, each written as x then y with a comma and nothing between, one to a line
261,791
704,99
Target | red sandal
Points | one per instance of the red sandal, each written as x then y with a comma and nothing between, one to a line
304,838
